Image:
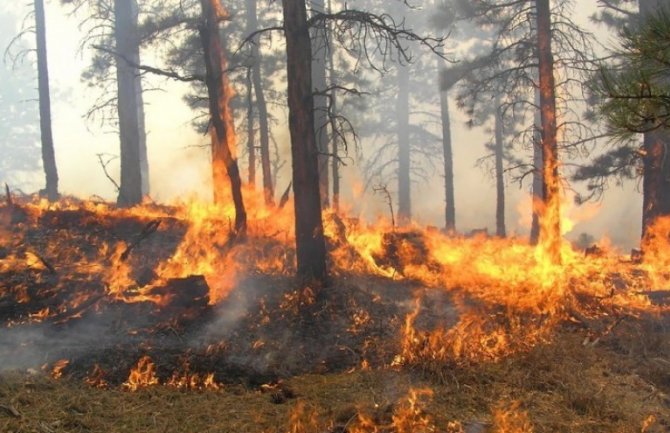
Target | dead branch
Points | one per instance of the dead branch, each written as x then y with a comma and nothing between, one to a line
165,73
383,189
284,197
104,169
147,231
67,315
8,196
11,410
45,262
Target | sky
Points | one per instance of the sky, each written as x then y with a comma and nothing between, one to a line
179,162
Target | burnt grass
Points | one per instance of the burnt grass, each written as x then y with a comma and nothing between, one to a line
264,330
310,345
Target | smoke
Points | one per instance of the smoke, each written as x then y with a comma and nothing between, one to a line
179,162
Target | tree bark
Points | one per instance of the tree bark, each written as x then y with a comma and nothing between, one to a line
550,223
261,106
404,162
448,159
251,136
656,167
500,178
129,102
310,243
144,156
48,153
222,128
335,161
537,196
319,85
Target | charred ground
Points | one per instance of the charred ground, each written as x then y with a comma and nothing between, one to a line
83,284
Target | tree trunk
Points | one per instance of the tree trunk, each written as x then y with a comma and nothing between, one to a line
450,205
264,131
144,156
222,128
310,244
251,136
402,113
335,162
537,195
48,154
500,178
129,102
550,222
319,85
656,167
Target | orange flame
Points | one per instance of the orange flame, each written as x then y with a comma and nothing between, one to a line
142,375
58,367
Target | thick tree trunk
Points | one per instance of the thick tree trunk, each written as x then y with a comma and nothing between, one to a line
404,162
48,154
500,178
319,85
310,243
129,102
550,222
656,160
448,159
251,136
264,131
222,128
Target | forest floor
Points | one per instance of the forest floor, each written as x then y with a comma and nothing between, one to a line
287,360
621,385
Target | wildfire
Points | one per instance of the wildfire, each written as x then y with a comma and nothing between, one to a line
142,375
507,295
96,378
193,382
58,367
511,419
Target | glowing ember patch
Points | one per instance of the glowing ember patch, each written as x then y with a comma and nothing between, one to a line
96,378
40,315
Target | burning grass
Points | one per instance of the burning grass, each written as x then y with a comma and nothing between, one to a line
160,318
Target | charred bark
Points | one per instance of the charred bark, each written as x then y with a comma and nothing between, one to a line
310,243
500,179
656,164
222,130
448,160
550,225
48,153
129,102
261,106
404,162
319,56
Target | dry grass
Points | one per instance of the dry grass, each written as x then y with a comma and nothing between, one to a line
564,387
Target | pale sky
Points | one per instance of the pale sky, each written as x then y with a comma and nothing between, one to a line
179,169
